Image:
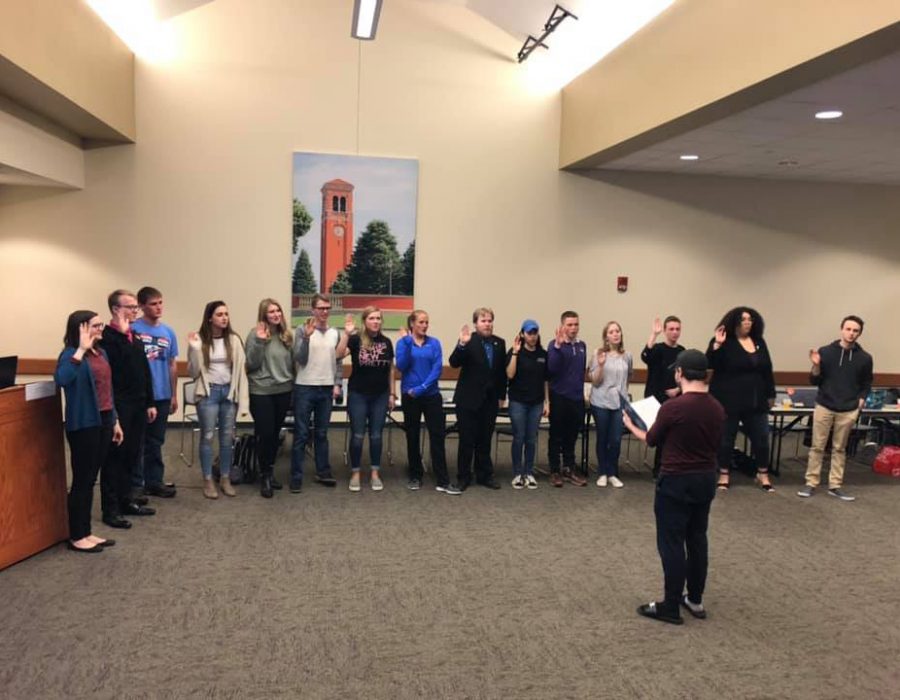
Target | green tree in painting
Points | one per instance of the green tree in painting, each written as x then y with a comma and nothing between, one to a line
303,281
375,267
341,284
404,282
302,222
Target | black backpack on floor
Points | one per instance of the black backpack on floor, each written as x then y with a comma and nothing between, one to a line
245,466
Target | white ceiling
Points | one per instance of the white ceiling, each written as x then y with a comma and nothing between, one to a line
782,139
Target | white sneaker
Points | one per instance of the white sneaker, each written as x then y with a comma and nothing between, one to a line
530,481
518,482
615,482
375,482
354,482
601,482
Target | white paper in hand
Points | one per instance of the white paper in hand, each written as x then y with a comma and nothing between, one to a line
643,412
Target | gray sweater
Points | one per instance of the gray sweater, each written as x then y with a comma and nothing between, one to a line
270,367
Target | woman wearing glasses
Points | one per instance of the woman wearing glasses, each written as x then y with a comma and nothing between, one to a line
270,375
216,360
529,399
83,372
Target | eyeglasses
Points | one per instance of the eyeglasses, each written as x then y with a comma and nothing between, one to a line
322,308
98,326
130,307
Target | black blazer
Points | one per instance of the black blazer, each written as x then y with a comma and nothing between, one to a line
477,381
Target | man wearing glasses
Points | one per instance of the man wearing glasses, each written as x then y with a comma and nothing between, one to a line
133,397
318,383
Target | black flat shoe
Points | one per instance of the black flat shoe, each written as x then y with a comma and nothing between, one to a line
654,612
276,484
141,500
489,484
160,491
117,521
88,550
135,509
107,543
326,479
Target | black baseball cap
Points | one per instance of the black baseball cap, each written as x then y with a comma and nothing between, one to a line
694,360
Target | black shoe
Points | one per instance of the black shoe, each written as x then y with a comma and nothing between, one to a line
117,521
160,491
140,499
296,486
276,484
489,484
135,509
656,611
107,543
265,487
463,484
326,479
88,550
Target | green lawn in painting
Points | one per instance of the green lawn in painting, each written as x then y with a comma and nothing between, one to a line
393,320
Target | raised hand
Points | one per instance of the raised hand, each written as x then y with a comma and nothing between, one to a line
403,332
262,330
85,342
560,337
517,342
720,335
657,326
194,338
309,327
121,316
814,357
465,334
601,357
349,326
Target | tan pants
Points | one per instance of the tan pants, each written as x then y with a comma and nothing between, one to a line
824,420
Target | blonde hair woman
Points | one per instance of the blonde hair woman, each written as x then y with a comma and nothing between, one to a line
270,375
370,391
611,370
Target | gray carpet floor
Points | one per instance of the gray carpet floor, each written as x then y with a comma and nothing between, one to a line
508,594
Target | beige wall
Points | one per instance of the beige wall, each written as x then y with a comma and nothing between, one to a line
701,51
200,206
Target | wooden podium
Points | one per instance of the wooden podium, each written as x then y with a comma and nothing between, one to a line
33,512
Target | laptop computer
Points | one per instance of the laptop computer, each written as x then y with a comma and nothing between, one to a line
8,366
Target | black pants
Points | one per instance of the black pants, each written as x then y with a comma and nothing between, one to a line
268,411
756,426
566,421
682,516
151,468
433,410
115,474
476,432
88,448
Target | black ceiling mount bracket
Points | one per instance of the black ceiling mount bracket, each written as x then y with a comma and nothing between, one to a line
556,17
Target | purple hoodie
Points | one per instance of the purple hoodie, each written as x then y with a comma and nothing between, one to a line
566,366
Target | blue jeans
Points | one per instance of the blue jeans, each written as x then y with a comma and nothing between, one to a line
525,419
212,409
312,409
609,439
366,409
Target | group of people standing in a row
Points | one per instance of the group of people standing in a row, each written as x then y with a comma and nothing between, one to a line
120,380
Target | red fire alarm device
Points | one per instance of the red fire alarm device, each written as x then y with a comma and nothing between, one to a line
622,284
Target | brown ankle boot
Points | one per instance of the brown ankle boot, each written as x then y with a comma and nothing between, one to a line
209,489
227,488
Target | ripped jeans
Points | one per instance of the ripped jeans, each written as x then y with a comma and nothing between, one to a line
366,411
211,410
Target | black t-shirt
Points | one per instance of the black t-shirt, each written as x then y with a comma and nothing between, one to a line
689,428
531,373
371,365
659,376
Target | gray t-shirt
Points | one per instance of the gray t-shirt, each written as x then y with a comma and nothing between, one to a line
616,373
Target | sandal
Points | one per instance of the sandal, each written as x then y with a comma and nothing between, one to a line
768,488
723,485
654,612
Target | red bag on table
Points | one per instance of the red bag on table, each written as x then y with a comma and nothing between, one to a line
888,461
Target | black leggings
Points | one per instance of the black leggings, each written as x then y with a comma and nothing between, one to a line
268,411
756,426
88,449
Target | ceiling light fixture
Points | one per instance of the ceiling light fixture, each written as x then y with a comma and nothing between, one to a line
556,17
689,156
829,114
365,18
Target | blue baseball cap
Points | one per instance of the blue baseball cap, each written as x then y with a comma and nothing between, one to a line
529,325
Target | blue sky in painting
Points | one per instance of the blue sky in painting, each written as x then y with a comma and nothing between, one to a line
385,188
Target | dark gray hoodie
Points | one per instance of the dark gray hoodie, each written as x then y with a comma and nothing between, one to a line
845,377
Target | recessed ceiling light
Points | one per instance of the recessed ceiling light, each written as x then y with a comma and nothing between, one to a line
829,114
689,156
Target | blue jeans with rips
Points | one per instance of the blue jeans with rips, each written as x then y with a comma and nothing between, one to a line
213,409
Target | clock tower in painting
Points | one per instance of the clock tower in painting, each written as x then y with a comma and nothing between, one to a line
337,230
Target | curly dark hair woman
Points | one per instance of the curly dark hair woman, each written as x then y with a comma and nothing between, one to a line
744,384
